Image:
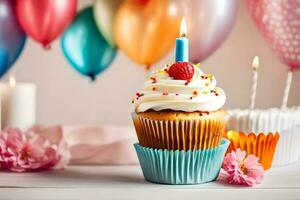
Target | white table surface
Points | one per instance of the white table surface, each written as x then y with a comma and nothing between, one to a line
127,182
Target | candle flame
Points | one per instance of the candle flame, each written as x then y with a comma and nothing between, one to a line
12,82
183,28
255,63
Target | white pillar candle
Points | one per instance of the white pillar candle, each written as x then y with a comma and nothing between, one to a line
18,104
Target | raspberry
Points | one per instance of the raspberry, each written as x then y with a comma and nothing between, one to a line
182,71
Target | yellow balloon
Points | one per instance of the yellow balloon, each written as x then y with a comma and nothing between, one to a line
146,31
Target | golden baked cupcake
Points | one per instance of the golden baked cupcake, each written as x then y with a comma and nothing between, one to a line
179,108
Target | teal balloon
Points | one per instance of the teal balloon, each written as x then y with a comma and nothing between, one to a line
85,47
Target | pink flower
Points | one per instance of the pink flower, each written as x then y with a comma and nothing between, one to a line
242,170
28,151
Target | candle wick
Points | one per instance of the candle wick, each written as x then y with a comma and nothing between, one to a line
183,35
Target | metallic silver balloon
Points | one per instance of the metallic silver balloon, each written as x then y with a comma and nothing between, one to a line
209,22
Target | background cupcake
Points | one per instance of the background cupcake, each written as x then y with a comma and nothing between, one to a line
266,123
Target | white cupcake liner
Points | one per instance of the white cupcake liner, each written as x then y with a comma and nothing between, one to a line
288,147
286,122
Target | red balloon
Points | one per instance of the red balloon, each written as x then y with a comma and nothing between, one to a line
279,22
45,20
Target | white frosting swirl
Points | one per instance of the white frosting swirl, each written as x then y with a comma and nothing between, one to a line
162,92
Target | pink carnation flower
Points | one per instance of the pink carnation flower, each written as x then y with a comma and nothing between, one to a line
29,151
242,170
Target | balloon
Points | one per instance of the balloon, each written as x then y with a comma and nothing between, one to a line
209,23
3,61
146,30
84,46
45,20
12,38
104,14
278,21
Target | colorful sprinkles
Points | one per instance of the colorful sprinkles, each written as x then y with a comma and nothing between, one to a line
205,112
215,92
153,79
138,95
197,65
187,83
207,76
207,79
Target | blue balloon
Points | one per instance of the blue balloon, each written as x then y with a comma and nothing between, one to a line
3,58
85,47
12,37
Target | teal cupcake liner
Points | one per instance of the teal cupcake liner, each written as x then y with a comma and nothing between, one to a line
181,167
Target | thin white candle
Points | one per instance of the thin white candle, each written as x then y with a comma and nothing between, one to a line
18,104
255,65
287,90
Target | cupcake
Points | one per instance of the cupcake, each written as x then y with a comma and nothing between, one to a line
273,120
179,122
180,109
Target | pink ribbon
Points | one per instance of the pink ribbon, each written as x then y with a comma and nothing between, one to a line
94,145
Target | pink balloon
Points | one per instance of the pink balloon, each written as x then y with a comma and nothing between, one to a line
209,23
279,23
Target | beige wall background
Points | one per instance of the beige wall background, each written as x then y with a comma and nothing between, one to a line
65,97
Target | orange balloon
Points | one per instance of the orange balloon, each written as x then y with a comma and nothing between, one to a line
146,30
